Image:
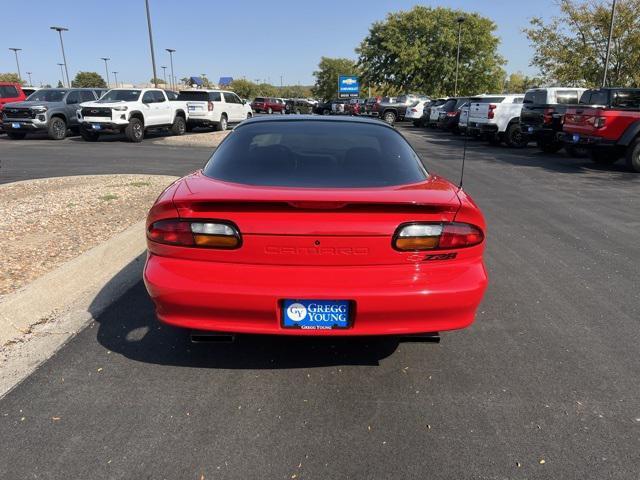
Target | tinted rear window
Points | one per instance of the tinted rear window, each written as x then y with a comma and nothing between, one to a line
258,99
315,154
594,97
536,96
626,99
193,96
449,105
8,91
487,100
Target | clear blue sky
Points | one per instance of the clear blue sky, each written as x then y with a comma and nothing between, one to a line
253,38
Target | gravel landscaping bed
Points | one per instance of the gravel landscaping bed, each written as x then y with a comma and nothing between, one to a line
44,223
195,139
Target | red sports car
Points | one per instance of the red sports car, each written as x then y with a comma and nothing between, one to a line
315,226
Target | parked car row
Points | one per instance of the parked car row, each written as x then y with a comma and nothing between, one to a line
93,112
603,123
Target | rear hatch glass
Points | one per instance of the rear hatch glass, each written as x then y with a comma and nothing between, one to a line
193,96
316,154
8,91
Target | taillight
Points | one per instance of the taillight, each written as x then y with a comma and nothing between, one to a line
414,110
547,116
451,114
599,122
210,106
436,236
188,233
491,113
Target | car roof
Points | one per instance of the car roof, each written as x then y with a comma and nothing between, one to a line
315,118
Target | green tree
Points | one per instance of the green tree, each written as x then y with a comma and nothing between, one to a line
157,81
415,51
266,90
329,69
570,49
518,82
294,91
60,85
244,88
88,79
11,77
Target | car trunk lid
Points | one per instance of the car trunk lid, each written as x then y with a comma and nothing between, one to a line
298,226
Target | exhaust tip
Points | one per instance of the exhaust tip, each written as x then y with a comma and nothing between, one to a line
433,337
212,337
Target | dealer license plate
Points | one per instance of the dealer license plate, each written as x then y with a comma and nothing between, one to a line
316,314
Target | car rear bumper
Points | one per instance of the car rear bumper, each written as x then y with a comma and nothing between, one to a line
244,298
586,140
537,132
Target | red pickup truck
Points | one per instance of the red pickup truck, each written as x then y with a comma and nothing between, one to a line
9,92
607,122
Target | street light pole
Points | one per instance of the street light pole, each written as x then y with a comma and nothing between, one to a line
460,21
153,55
606,61
164,74
64,57
115,75
61,72
173,77
16,50
106,68
30,81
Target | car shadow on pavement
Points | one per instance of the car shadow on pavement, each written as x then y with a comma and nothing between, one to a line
129,327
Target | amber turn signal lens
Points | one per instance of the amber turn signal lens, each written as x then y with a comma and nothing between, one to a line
417,243
216,241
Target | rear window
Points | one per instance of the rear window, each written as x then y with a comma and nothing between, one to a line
195,96
449,105
538,97
567,97
315,154
626,99
487,100
8,91
259,99
594,97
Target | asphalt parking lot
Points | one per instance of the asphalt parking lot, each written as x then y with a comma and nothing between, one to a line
543,385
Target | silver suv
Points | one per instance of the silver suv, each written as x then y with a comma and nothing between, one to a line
49,109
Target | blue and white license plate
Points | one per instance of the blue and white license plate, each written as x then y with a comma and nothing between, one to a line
576,138
15,125
316,314
96,126
530,129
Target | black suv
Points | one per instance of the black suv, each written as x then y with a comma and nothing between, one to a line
298,106
449,115
543,112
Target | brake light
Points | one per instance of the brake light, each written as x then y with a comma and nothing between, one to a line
599,122
187,233
210,105
491,113
414,110
436,236
547,116
451,114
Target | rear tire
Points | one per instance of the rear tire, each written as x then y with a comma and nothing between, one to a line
603,156
134,131
57,129
515,138
179,126
549,146
633,155
389,117
16,135
326,112
221,126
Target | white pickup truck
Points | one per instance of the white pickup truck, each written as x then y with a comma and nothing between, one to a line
214,108
132,111
496,117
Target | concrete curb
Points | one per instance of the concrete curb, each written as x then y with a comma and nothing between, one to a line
41,317
51,293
